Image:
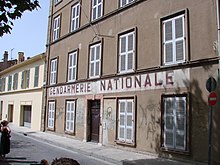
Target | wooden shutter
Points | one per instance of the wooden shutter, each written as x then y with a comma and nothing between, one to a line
129,121
179,36
168,45
180,107
27,78
169,123
122,53
121,123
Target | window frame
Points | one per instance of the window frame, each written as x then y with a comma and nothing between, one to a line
75,26
73,112
9,82
126,3
124,141
95,61
15,81
75,54
184,15
175,148
53,118
53,73
120,36
56,27
96,8
57,2
36,75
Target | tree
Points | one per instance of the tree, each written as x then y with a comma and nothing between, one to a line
11,10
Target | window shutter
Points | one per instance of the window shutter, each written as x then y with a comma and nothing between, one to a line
129,121
0,85
121,130
180,122
179,50
169,123
27,78
168,52
168,31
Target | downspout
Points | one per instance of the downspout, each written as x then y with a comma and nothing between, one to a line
50,21
218,31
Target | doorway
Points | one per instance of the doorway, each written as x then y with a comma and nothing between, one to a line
27,116
94,118
10,112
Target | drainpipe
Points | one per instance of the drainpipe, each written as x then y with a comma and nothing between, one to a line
218,31
50,22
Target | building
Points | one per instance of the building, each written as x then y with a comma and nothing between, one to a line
6,63
21,92
132,74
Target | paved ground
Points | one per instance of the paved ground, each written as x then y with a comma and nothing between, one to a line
110,154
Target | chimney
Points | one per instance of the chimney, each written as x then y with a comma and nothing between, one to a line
20,57
6,56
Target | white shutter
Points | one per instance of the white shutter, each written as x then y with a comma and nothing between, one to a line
121,123
70,113
129,121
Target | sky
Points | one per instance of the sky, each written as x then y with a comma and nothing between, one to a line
28,35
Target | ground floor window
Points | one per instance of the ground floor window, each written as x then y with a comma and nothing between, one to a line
175,122
70,116
126,121
51,114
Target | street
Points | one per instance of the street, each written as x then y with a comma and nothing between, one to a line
26,150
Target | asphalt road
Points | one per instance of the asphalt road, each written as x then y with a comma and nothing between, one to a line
26,150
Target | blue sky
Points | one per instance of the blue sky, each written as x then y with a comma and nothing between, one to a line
28,35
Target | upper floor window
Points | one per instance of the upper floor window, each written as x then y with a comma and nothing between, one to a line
72,66
126,121
9,82
25,79
95,61
56,1
36,76
127,52
174,40
15,81
2,84
97,7
75,17
56,28
175,122
70,116
53,71
125,2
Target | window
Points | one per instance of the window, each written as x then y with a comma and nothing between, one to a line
51,114
15,81
125,2
174,118
75,17
2,84
56,1
72,66
95,61
36,76
56,28
53,71
9,82
126,52
25,78
174,40
126,123
70,116
97,6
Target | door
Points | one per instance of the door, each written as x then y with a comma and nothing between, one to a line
10,112
95,120
27,116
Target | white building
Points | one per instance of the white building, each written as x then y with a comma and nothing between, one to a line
21,92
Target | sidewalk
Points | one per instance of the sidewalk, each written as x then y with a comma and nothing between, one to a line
109,154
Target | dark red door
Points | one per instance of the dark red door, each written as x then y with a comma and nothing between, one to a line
95,120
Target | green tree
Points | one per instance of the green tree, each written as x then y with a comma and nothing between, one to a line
11,10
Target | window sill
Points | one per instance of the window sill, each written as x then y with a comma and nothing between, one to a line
70,133
125,144
175,151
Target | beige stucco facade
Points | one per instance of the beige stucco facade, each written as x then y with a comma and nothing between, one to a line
147,87
23,105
